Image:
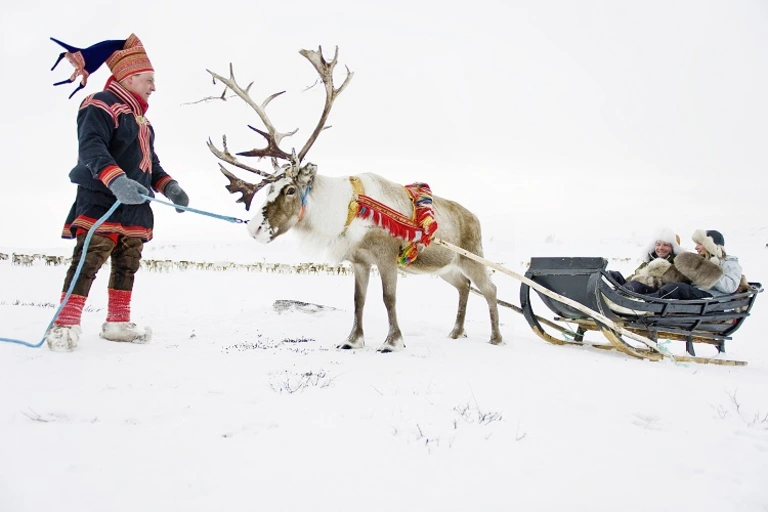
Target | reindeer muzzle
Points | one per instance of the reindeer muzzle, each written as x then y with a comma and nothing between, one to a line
260,230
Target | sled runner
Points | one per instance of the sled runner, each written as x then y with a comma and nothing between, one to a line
585,281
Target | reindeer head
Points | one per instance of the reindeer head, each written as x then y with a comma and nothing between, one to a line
291,181
284,205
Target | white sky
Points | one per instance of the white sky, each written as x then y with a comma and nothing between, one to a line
571,119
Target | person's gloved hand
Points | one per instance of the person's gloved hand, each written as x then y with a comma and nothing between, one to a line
128,191
176,194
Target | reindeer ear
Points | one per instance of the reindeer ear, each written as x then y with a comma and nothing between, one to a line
307,173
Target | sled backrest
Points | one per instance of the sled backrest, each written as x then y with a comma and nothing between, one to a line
575,278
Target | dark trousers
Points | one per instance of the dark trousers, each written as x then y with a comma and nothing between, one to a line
680,291
616,275
125,254
638,287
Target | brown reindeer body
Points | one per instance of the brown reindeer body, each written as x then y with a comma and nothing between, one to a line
325,223
317,208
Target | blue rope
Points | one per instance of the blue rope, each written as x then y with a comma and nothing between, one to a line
85,249
194,210
74,279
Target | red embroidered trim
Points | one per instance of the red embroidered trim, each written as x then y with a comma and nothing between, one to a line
162,183
106,228
130,105
113,110
110,173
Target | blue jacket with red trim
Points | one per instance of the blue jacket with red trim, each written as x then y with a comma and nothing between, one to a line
115,139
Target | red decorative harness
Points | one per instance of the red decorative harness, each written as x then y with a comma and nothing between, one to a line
418,229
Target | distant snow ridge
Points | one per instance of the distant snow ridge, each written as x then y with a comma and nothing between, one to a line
168,265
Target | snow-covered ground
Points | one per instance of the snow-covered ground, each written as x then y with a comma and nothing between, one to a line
236,405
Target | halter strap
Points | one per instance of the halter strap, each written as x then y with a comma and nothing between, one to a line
304,200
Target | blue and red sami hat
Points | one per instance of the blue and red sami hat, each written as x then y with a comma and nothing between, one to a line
124,57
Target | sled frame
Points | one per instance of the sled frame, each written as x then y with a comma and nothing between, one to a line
578,291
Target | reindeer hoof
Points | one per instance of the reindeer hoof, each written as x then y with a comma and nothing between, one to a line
456,334
350,345
496,341
394,346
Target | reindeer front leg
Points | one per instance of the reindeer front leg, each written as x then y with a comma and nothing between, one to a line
356,338
394,341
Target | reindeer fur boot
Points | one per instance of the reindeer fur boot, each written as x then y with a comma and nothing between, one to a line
126,332
702,272
62,338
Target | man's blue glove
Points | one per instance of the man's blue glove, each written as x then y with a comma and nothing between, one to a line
176,194
128,191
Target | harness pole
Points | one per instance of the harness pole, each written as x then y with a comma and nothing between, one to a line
565,300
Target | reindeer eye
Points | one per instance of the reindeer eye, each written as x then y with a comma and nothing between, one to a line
290,191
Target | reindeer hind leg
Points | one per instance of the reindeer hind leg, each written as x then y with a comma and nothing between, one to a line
461,283
478,274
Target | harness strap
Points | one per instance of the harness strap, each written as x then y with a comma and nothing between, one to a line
357,191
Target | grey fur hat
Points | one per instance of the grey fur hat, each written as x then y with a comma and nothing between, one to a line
713,241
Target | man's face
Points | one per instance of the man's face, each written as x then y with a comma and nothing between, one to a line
663,249
142,84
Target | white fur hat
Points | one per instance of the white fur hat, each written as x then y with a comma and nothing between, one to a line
668,236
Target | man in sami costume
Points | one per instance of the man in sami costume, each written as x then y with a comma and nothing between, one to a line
116,162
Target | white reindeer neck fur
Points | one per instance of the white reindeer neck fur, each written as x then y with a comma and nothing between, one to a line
327,209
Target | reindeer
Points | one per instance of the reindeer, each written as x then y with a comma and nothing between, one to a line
317,207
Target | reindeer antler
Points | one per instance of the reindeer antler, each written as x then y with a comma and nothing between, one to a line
272,136
231,159
325,70
247,189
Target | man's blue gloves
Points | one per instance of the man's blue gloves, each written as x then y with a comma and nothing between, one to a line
176,194
128,191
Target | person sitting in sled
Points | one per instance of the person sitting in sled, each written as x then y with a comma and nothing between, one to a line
708,273
116,162
661,252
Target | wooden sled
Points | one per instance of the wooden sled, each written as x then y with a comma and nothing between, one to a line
581,293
